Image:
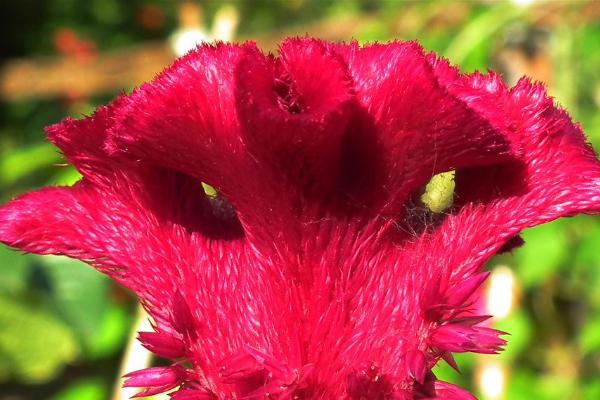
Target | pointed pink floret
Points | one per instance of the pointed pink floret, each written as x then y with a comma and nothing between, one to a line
417,365
315,271
154,380
459,338
458,295
162,344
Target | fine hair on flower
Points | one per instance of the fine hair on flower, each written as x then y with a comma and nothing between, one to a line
316,270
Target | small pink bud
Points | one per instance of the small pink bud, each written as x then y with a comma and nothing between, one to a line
183,319
458,295
459,338
162,344
155,380
471,321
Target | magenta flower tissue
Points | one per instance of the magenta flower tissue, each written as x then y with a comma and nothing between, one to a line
315,272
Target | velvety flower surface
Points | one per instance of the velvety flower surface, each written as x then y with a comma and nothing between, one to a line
315,272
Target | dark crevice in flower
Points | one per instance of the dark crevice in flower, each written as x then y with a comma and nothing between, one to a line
208,214
221,220
287,96
429,206
361,166
416,219
490,183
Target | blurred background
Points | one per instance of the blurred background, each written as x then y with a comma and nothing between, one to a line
66,331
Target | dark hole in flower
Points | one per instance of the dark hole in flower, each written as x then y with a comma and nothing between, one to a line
219,219
288,98
483,184
195,206
225,223
427,207
448,192
418,218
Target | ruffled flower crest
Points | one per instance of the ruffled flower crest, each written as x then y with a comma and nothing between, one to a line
314,272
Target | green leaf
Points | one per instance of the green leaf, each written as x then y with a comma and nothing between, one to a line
589,338
522,385
80,296
91,389
446,373
65,177
587,253
592,390
518,325
546,249
17,164
13,270
33,343
558,386
111,333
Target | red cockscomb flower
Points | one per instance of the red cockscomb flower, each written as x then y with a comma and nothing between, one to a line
314,273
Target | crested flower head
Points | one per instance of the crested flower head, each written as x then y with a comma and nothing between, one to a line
315,271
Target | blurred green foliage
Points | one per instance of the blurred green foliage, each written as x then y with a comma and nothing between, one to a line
62,326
